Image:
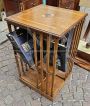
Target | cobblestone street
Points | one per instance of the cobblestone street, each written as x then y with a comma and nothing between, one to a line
76,91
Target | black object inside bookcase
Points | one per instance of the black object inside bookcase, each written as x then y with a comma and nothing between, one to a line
22,42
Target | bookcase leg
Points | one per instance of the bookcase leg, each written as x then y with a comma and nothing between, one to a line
20,67
35,55
41,59
9,27
54,63
16,57
47,61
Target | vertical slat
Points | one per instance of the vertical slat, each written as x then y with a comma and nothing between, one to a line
19,71
35,55
69,41
15,28
9,27
24,66
47,61
41,58
54,63
20,65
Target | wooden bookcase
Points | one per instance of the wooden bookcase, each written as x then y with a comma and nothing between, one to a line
46,79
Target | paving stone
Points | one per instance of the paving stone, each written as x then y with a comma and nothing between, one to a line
25,90
45,101
86,85
58,98
72,88
18,84
11,87
2,103
77,103
5,92
8,99
10,105
68,103
28,100
36,103
74,82
4,63
3,76
58,104
83,77
78,96
87,96
0,64
80,83
17,95
4,69
67,96
65,89
11,73
19,103
3,83
88,77
75,76
86,103
35,95
28,104
86,90
79,89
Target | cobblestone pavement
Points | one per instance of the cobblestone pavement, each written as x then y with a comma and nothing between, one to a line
76,91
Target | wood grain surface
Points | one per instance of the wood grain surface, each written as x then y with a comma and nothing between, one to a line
52,20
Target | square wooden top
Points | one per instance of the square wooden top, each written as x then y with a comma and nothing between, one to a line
52,20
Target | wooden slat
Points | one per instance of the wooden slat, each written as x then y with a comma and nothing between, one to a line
47,61
35,54
69,41
54,63
9,27
41,58
16,57
35,47
19,64
22,65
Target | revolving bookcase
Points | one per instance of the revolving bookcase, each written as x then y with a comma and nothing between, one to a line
52,34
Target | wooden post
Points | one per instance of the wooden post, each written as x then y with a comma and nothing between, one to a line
47,61
54,63
35,55
41,58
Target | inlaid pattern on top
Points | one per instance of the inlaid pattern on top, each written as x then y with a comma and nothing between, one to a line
48,19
